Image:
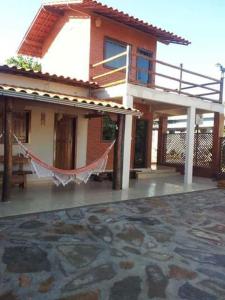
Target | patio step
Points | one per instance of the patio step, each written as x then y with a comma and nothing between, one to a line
161,172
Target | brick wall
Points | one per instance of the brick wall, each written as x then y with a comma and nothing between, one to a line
121,33
129,36
96,146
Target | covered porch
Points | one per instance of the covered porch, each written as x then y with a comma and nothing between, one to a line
54,126
41,197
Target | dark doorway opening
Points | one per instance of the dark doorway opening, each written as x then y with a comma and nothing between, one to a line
140,155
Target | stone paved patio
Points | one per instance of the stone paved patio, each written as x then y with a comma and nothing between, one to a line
170,247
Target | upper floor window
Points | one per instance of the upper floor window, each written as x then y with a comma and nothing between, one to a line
112,48
21,125
144,66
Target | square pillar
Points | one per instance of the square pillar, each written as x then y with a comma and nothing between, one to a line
188,174
7,139
218,133
127,141
81,142
163,124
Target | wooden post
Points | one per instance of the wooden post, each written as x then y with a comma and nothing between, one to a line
7,138
118,154
161,135
221,87
218,130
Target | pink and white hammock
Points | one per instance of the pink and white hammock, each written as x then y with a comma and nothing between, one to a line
59,176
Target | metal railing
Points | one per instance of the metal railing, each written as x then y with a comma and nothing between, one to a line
163,76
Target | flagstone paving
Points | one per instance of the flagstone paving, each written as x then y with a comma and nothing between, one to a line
170,247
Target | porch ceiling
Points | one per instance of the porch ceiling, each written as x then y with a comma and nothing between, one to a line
67,100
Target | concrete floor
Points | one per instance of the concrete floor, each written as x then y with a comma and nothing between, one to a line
40,197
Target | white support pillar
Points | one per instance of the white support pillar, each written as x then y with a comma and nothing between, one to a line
81,141
128,101
188,175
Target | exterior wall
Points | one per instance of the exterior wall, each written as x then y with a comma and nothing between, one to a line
41,137
122,33
66,51
76,43
42,85
129,36
96,146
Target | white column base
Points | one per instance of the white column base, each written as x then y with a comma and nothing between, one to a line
188,175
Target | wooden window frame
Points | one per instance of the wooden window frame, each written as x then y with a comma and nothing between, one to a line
122,43
152,56
27,113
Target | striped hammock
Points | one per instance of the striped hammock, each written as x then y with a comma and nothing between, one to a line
64,177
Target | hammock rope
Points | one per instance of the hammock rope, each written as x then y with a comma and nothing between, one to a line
60,176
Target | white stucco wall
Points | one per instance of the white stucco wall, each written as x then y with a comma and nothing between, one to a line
43,85
69,52
41,138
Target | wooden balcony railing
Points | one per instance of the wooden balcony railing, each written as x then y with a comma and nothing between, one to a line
161,75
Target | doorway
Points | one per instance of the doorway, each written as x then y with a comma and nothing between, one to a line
65,133
140,154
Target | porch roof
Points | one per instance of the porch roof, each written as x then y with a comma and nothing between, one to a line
50,13
67,100
14,70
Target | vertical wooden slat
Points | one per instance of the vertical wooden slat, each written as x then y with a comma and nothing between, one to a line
118,154
161,134
221,88
7,139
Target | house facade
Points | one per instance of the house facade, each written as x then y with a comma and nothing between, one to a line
113,56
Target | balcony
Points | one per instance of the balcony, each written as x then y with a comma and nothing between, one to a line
149,72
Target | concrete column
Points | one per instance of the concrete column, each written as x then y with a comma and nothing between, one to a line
163,123
127,101
81,141
188,175
218,133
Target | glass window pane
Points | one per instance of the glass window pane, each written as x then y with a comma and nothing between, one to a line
144,66
113,48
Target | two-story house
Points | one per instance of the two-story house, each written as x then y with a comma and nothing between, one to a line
113,57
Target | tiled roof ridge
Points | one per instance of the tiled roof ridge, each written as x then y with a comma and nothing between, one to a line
115,10
64,97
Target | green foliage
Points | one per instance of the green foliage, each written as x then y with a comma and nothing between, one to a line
109,129
24,62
